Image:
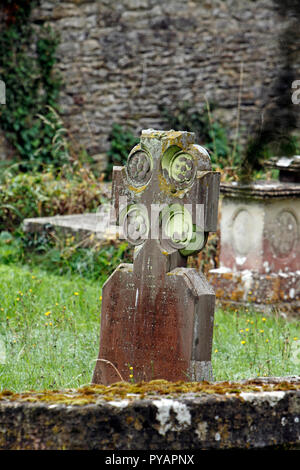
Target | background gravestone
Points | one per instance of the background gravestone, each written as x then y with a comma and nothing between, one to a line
260,241
157,315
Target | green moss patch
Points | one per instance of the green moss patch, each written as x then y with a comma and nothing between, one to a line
123,390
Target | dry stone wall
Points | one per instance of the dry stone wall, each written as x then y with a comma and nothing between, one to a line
121,59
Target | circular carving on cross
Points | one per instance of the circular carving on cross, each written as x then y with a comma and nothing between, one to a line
177,226
178,167
284,233
182,168
139,168
242,228
136,224
179,232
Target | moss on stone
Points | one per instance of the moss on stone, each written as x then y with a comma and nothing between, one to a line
95,393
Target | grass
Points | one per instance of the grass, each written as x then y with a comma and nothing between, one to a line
247,344
49,329
49,333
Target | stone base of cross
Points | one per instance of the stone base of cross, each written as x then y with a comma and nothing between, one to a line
157,314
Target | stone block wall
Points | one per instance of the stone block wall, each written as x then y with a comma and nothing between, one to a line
121,59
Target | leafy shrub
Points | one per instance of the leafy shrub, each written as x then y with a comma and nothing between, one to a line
27,58
11,248
46,194
63,256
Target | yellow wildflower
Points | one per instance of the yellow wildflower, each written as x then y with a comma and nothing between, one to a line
48,313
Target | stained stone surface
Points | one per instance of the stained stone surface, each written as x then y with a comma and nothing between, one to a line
260,245
157,315
258,414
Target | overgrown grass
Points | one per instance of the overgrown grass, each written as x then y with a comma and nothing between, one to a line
49,329
49,334
248,344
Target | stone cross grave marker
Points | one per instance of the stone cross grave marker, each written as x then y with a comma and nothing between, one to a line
157,314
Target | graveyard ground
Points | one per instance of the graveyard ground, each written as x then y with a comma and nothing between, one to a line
50,330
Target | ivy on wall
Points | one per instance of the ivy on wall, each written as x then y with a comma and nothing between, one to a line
27,59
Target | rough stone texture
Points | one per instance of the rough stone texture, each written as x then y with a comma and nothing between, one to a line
119,60
274,292
236,420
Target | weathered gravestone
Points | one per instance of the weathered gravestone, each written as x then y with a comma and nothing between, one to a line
260,241
157,314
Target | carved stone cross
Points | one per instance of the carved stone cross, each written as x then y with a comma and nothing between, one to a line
157,314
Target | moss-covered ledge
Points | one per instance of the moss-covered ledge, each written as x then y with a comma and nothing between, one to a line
260,413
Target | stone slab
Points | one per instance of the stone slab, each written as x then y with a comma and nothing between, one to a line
257,414
264,189
89,227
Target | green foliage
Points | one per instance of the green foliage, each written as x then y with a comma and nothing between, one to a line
67,256
121,142
27,58
11,249
262,147
209,132
61,255
49,329
246,344
58,151
24,195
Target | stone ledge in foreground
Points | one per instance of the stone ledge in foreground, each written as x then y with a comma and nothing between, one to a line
255,414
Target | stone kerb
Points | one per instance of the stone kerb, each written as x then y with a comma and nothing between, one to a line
257,414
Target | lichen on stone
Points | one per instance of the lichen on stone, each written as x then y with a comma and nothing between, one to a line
95,394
